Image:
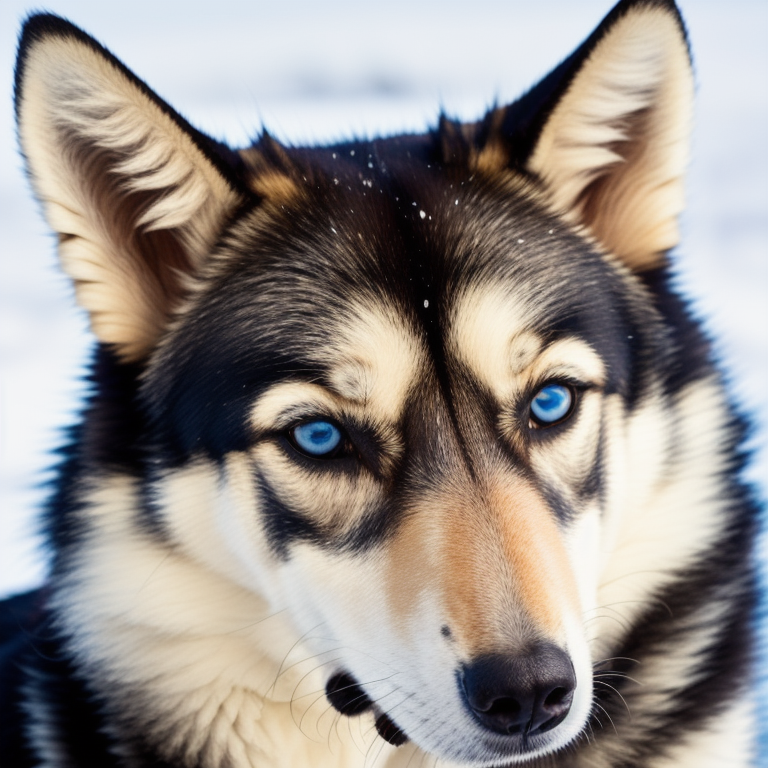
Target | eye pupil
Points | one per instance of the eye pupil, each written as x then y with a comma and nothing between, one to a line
317,438
551,404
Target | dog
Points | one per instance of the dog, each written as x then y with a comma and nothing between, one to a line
398,452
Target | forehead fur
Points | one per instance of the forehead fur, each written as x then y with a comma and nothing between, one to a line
354,283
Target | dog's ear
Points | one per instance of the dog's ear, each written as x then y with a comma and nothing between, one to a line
135,194
607,132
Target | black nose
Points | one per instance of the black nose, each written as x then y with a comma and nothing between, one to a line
525,693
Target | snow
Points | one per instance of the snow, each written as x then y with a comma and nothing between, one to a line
332,70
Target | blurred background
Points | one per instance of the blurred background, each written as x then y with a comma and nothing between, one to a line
321,71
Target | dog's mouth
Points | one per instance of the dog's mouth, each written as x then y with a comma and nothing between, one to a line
516,702
347,697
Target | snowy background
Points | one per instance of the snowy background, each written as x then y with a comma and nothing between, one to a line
317,71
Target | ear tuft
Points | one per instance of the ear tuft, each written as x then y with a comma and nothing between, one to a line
136,195
271,172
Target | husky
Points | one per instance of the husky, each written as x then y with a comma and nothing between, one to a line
398,452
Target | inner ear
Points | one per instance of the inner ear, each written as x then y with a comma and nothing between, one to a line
614,150
607,132
136,195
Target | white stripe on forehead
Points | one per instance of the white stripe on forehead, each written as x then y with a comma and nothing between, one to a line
494,332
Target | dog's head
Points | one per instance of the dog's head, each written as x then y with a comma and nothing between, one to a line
384,384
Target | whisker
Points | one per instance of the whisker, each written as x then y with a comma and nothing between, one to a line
616,658
280,670
620,675
618,693
610,719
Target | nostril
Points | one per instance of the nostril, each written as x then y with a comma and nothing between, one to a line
556,697
505,714
555,708
503,707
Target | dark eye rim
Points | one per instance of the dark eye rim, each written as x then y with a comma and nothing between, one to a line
575,389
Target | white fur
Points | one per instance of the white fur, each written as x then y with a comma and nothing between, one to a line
663,499
728,742
217,663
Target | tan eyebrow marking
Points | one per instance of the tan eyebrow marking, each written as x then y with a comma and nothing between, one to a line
492,332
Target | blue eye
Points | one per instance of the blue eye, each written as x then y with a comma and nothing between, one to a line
551,404
317,438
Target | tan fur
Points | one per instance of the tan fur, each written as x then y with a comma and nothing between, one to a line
490,158
493,556
501,561
276,185
337,503
374,363
376,359
277,188
491,332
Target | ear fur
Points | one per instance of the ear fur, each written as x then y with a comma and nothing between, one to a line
136,195
608,131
